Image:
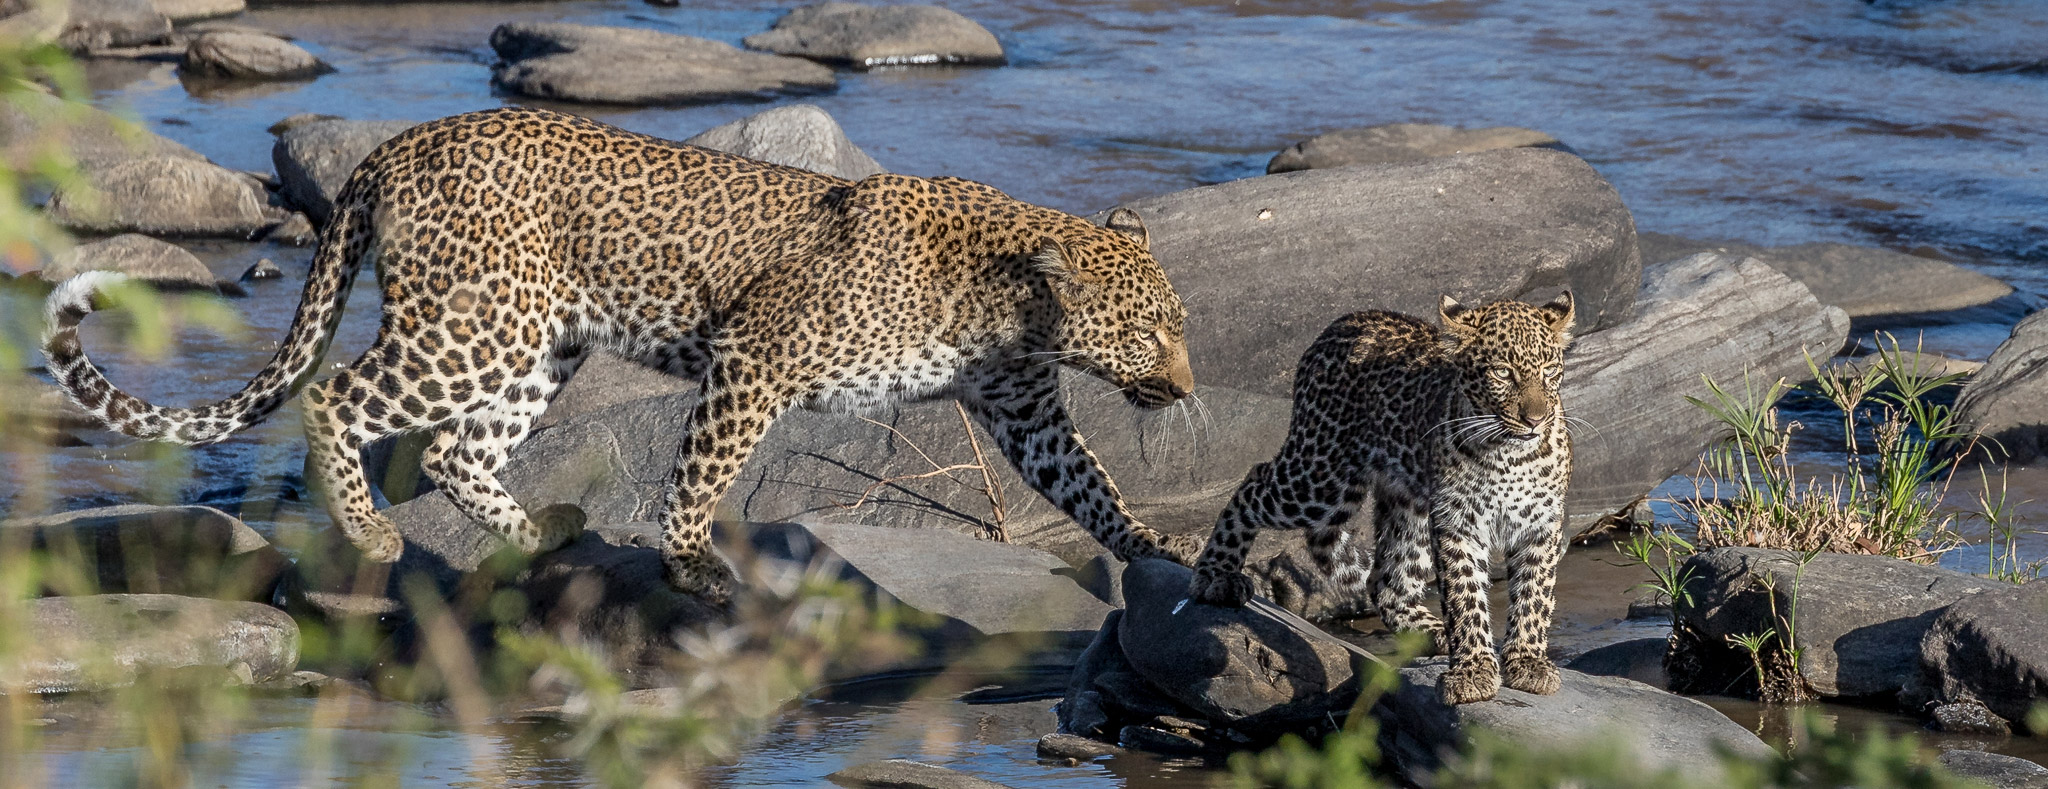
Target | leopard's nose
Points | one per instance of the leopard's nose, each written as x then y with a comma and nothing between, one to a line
1179,389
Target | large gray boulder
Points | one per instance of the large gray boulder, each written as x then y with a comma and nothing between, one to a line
618,65
798,135
138,548
1402,142
1997,771
1266,263
31,121
1860,619
165,195
314,159
1991,648
1716,315
2007,401
1662,731
93,25
865,36
229,54
1863,281
160,263
97,642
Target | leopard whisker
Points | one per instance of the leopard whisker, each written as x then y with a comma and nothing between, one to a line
1208,426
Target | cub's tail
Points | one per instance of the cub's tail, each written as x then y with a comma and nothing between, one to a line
342,246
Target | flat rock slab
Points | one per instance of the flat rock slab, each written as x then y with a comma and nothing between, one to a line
618,65
798,135
1991,648
249,56
1402,142
1997,771
1266,263
1860,618
2007,401
906,774
1251,667
1664,731
1863,281
105,641
143,548
865,36
165,195
1720,315
314,157
159,263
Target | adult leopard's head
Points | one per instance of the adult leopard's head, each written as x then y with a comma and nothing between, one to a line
1121,321
1512,357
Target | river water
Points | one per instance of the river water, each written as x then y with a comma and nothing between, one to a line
1919,126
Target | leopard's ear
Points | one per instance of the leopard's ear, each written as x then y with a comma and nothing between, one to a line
1126,221
1559,313
1061,272
1457,318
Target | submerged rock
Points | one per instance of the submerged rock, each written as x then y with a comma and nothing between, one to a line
314,158
865,36
1863,281
618,65
98,642
798,135
165,196
1989,649
159,263
1402,142
906,774
249,56
140,548
2007,401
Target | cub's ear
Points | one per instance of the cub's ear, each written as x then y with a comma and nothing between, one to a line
1559,312
1457,318
1061,272
1126,221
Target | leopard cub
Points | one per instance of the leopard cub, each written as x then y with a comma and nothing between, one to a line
1458,434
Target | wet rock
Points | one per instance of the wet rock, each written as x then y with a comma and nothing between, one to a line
182,11
262,269
1968,717
1860,618
295,231
105,641
1147,738
92,137
1661,730
1081,712
314,157
157,262
1718,315
1402,142
1251,667
249,56
864,36
137,548
2007,401
1995,770
1266,263
1987,648
165,196
1076,748
798,135
1863,281
94,25
618,65
906,774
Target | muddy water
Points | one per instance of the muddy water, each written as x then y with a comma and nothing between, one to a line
1913,125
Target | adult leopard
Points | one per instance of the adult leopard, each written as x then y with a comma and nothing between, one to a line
510,243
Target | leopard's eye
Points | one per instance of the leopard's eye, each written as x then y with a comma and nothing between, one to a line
1553,371
1500,373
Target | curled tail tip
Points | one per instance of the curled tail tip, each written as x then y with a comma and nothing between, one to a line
72,300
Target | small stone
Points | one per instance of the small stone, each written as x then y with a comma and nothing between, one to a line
1969,717
1176,723
798,135
1146,738
263,269
1075,747
295,231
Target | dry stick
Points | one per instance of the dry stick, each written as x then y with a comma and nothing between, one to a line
990,486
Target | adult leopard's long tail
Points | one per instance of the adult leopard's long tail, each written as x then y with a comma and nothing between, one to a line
342,246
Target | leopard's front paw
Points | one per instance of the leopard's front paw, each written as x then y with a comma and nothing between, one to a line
1533,674
1469,680
1228,590
704,575
554,526
1183,549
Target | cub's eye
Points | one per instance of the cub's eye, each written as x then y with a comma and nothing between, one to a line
1500,373
1156,338
1553,372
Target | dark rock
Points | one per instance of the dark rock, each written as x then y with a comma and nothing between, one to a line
1402,142
165,196
1860,618
98,642
906,774
1995,770
1081,711
1266,263
2007,401
864,36
1863,281
137,548
262,269
249,56
1251,667
797,135
1714,315
1661,730
295,231
618,65
1103,576
1989,648
157,262
1146,738
314,158
1074,747
1968,717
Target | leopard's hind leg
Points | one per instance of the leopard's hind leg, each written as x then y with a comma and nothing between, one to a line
465,457
1403,567
342,414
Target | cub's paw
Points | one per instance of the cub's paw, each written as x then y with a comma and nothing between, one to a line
1533,674
1183,549
1469,680
554,526
377,538
1228,590
706,576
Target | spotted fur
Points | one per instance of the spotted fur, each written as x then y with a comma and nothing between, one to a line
1459,437
512,242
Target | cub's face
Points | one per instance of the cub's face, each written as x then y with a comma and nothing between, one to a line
1123,323
1513,357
